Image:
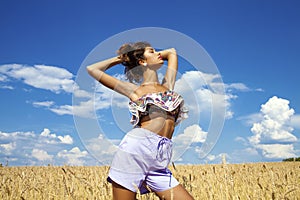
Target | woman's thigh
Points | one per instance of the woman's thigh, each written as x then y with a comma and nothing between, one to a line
176,193
121,193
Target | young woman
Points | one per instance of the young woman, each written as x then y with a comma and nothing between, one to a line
144,154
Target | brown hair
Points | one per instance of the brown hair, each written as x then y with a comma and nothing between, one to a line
131,54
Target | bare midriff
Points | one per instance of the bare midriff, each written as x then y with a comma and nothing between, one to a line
159,123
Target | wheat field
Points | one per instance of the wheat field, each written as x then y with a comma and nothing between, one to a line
221,181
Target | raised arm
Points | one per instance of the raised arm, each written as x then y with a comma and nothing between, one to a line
97,71
170,77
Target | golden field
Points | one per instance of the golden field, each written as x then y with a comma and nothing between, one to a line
221,181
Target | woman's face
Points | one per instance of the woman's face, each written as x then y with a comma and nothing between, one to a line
153,58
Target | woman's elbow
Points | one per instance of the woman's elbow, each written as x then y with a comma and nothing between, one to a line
89,69
173,50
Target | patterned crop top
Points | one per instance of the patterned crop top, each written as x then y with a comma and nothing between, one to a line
168,101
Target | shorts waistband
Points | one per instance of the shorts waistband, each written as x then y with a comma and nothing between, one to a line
139,131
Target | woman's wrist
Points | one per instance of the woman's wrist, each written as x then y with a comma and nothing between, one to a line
167,52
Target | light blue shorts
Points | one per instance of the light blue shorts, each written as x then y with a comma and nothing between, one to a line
141,162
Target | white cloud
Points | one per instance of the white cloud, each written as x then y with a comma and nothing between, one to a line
203,91
46,133
50,78
62,110
83,109
41,155
193,86
60,80
259,90
237,86
277,150
49,138
191,134
277,109
15,136
105,97
3,78
7,148
54,79
27,147
102,148
67,139
6,87
183,141
273,133
77,92
274,126
43,103
73,157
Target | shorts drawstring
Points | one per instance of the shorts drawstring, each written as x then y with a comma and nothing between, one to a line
170,178
161,151
164,142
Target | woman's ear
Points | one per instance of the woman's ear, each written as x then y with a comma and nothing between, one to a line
142,62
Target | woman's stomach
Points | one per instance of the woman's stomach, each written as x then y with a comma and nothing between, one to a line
160,123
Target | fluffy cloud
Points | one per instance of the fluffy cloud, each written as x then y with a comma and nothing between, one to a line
102,148
277,150
67,139
191,134
50,78
59,80
204,91
105,98
183,141
47,137
73,157
273,133
41,155
207,96
7,148
24,148
54,79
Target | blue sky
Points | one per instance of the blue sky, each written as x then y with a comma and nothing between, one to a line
255,46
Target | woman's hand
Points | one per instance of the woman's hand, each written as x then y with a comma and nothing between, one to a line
167,53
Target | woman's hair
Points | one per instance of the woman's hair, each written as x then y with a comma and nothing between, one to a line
131,54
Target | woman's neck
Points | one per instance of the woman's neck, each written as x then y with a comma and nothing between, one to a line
150,77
